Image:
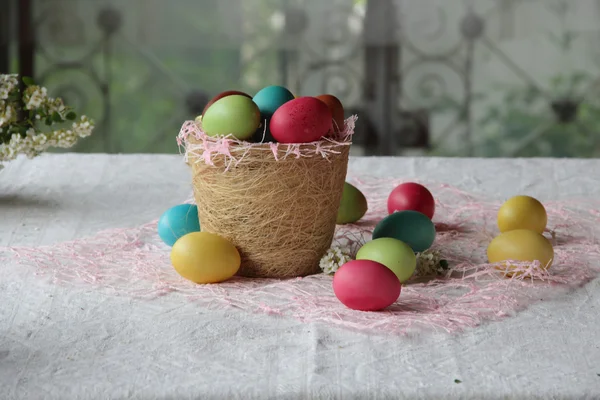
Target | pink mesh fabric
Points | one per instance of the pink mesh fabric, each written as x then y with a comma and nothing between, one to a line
133,262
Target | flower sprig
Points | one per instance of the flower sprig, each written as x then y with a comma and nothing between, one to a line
429,263
27,118
335,257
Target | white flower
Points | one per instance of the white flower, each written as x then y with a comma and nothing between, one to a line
35,141
334,259
430,263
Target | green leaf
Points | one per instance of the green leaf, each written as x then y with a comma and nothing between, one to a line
22,131
56,117
48,121
457,381
28,81
71,116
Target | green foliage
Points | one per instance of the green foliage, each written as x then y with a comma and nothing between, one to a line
523,124
28,81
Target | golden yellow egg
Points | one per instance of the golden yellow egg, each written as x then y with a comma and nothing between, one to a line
522,212
204,257
521,245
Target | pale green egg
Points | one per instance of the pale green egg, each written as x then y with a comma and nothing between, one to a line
393,253
232,115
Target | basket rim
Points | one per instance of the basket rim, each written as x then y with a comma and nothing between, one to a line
196,144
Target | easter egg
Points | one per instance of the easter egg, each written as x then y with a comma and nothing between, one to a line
224,94
411,196
203,257
410,227
337,110
353,205
178,221
522,212
394,254
521,245
366,285
270,98
302,120
236,115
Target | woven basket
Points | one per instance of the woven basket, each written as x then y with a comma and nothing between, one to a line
276,203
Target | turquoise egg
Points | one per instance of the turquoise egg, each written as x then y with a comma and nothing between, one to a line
270,98
411,227
178,221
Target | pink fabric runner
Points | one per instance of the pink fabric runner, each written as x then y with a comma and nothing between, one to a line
133,262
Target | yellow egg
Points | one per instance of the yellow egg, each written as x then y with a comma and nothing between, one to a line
204,257
521,245
522,212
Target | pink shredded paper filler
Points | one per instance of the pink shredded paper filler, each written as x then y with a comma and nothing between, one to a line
134,262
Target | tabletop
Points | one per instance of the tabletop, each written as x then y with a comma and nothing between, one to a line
63,341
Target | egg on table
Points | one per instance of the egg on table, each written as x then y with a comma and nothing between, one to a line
520,245
366,285
411,196
302,120
522,212
204,257
234,115
178,221
393,253
353,205
410,227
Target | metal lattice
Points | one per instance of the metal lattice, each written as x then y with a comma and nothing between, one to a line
411,69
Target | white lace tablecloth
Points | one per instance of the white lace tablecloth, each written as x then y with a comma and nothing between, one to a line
75,342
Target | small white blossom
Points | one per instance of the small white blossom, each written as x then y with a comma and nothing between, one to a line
35,141
334,259
430,263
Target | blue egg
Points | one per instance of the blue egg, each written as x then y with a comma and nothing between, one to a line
178,221
270,99
410,227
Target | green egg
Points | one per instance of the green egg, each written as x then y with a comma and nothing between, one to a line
353,205
410,227
232,115
393,253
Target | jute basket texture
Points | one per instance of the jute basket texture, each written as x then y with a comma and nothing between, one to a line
277,203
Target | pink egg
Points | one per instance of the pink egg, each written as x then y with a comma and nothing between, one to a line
366,285
302,120
411,196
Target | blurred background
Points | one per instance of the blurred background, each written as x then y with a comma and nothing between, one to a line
479,78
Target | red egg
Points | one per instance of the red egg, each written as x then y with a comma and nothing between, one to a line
366,285
411,196
337,110
302,120
224,94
